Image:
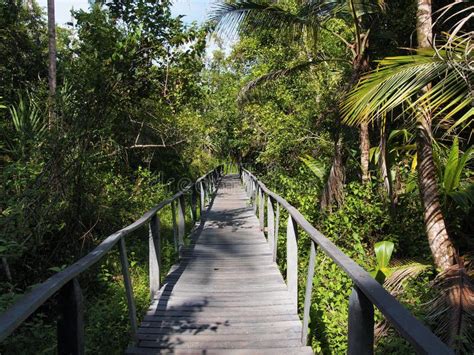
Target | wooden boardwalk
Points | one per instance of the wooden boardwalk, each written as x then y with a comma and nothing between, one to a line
227,295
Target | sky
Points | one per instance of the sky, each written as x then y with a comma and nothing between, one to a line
194,10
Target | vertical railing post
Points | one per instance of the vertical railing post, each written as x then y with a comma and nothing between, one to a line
194,203
154,263
181,223
277,230
71,319
175,226
255,193
361,324
261,210
202,201
270,224
292,261
132,312
308,293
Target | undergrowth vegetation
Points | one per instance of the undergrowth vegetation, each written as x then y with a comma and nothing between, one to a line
144,105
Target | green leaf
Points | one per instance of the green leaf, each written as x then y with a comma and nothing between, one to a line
383,253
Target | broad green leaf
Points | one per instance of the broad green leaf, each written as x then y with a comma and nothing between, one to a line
383,253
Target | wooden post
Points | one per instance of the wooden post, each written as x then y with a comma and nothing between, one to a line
194,203
175,226
292,261
181,223
71,319
361,324
277,230
270,224
308,293
261,210
154,264
202,192
255,194
132,312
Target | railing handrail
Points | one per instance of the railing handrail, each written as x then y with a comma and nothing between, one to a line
423,340
15,315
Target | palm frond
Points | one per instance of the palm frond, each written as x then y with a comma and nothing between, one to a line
401,273
398,80
246,91
242,16
452,311
317,167
464,197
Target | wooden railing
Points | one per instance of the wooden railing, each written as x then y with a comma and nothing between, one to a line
66,285
366,292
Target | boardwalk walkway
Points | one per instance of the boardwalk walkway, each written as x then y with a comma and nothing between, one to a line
226,296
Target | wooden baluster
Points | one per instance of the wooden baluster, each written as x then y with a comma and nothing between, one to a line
361,324
270,224
181,223
70,326
261,210
308,293
175,226
255,194
277,230
154,242
202,195
209,189
132,311
194,203
292,261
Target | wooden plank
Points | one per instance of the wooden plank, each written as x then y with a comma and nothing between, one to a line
222,344
226,319
197,327
270,351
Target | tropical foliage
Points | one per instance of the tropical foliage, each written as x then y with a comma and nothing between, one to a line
288,88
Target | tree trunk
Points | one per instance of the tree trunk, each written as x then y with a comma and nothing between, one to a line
334,189
441,245
360,65
384,164
364,151
52,62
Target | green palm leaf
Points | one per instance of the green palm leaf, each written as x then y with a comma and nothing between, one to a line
398,80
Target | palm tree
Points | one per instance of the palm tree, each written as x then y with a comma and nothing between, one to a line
434,83
52,62
245,16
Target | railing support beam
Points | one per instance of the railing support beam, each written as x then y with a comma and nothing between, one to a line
308,293
361,324
71,319
132,311
292,261
154,256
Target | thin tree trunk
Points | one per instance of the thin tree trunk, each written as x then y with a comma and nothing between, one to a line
364,151
334,189
441,245
52,62
384,165
360,65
